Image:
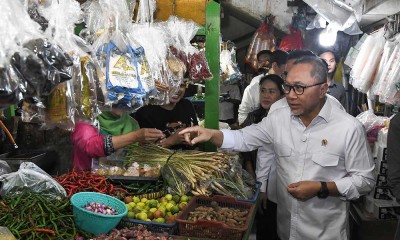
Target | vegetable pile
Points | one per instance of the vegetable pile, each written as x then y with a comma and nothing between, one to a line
84,181
148,190
183,170
32,216
100,208
136,232
230,216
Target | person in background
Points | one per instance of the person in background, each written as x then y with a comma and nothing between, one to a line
393,161
322,154
251,100
117,130
335,89
227,107
259,163
177,114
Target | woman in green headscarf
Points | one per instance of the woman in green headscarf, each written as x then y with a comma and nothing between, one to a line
117,129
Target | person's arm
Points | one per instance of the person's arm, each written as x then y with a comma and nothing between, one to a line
88,140
359,166
393,156
143,135
197,134
243,140
305,190
263,168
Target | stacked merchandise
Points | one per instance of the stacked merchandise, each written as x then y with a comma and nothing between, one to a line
380,202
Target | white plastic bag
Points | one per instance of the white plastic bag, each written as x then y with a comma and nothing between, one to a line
31,178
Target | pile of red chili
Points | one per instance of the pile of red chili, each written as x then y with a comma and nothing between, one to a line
85,181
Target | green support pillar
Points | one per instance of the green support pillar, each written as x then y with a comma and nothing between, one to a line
9,112
212,31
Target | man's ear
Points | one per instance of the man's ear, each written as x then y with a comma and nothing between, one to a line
274,66
324,90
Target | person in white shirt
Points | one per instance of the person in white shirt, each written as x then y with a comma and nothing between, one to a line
258,162
251,99
322,155
227,107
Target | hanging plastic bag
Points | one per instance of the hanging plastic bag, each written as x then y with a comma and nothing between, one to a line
230,73
146,11
372,124
198,67
4,167
263,39
30,178
292,41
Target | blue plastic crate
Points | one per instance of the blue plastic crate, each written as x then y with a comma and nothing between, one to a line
255,197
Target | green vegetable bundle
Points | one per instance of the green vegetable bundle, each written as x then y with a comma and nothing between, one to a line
182,170
32,216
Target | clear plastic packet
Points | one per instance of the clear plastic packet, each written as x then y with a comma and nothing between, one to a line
234,181
4,168
60,108
176,66
9,89
372,124
198,67
177,183
181,32
146,11
33,11
230,73
31,178
94,21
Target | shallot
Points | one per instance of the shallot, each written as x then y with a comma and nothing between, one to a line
100,208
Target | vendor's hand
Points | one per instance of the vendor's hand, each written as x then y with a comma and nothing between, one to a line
196,134
263,202
148,135
174,139
304,190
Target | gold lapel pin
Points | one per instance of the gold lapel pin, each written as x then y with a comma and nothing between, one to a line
324,142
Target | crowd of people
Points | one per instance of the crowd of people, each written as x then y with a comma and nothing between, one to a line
294,135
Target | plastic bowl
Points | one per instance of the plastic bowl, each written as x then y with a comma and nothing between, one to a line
96,223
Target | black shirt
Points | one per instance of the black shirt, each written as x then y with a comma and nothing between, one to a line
154,116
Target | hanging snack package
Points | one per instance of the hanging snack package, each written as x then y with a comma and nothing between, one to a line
118,58
198,68
32,9
146,11
182,32
94,21
60,104
153,39
229,70
263,39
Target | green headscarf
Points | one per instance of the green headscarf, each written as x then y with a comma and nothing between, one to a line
115,125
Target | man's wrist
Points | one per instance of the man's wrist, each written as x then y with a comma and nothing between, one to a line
323,191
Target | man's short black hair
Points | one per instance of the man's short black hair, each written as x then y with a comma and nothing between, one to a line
263,52
279,56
